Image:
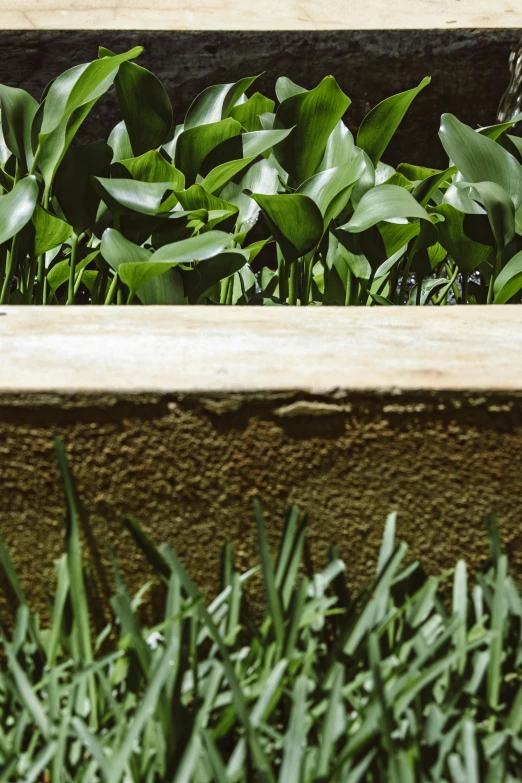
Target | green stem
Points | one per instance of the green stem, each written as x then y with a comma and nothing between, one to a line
348,292
465,281
40,280
72,268
112,290
130,297
495,273
292,288
10,271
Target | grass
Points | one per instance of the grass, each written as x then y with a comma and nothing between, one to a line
395,684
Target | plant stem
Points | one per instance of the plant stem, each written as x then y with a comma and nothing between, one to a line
465,281
130,297
112,290
10,270
292,288
72,268
495,273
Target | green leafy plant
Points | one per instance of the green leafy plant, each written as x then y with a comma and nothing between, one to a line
397,683
248,201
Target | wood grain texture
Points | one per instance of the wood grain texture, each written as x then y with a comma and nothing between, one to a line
221,350
270,14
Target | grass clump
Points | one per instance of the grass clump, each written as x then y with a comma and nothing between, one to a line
391,685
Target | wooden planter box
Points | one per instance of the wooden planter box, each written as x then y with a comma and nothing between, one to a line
181,415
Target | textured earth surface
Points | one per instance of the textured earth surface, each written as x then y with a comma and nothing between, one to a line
188,467
469,69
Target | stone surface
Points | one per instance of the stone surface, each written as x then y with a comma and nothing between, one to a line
180,416
469,70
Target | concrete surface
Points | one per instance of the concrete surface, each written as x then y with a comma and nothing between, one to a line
181,415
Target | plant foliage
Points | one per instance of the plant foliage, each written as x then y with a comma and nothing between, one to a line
396,683
281,204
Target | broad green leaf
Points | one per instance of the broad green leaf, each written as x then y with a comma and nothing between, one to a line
80,86
480,159
500,210
214,103
427,187
17,207
330,189
210,271
295,221
495,131
194,144
73,186
315,113
246,145
116,250
18,110
50,231
218,177
152,167
285,88
384,202
196,197
340,148
466,253
131,194
139,273
247,113
145,106
53,146
379,125
262,178
509,281
194,249
120,143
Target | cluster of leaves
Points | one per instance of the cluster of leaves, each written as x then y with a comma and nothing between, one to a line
391,686
162,213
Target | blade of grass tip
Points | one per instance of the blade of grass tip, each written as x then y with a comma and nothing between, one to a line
495,544
293,565
298,605
228,565
57,613
272,595
295,738
12,577
469,751
75,566
238,699
388,542
148,548
460,610
330,725
497,625
287,543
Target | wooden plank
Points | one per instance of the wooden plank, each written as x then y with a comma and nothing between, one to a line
271,14
220,350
